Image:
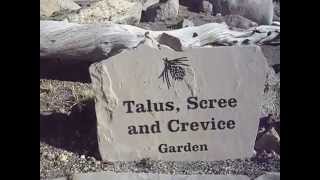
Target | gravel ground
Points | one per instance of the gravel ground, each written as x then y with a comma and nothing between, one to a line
61,96
68,139
55,162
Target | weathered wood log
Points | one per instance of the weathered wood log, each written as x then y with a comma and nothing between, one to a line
95,42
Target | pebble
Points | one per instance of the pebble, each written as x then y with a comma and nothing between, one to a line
63,158
254,153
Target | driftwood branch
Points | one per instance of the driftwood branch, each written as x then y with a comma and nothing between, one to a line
95,42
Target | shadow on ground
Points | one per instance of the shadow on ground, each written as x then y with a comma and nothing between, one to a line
76,132
76,72
192,5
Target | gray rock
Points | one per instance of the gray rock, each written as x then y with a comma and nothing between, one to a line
187,23
117,11
63,158
237,21
277,9
148,3
272,53
207,7
269,176
168,10
260,11
135,76
178,25
85,3
48,7
170,41
163,10
269,141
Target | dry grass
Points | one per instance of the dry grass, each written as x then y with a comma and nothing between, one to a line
61,96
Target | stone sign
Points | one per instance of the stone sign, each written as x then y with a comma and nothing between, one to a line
200,104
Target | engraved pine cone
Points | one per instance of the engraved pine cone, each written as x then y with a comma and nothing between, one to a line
177,72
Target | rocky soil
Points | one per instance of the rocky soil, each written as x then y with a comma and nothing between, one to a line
68,140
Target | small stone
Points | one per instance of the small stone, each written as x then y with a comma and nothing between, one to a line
171,41
172,171
187,23
194,34
254,153
276,155
62,110
83,157
63,158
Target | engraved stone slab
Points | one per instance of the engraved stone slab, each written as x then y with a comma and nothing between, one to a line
200,104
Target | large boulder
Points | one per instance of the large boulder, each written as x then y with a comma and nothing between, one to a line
260,11
117,11
168,9
48,7
165,9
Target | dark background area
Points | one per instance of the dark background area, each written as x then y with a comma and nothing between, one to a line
20,89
